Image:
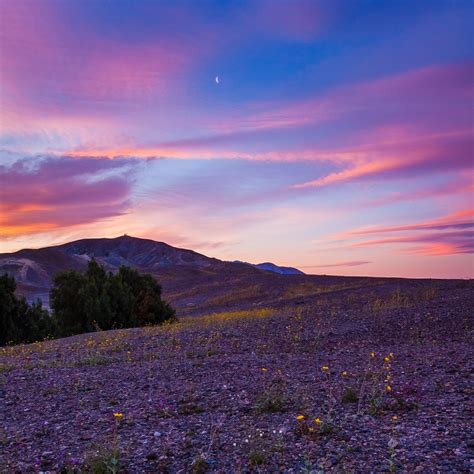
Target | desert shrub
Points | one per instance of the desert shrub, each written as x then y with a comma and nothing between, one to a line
96,299
257,458
326,427
19,321
271,401
273,396
349,396
199,466
315,427
106,461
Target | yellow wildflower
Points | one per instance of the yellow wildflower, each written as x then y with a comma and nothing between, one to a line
325,367
300,417
264,369
317,420
118,415
372,354
391,355
389,388
386,359
394,417
344,373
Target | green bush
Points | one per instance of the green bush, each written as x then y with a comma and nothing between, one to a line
96,299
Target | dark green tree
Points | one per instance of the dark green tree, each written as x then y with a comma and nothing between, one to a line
9,309
144,295
68,300
19,321
100,300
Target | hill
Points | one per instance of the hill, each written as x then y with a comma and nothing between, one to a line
192,282
175,268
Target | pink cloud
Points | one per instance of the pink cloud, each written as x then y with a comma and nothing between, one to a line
459,219
416,123
461,185
402,159
438,243
61,192
447,235
349,263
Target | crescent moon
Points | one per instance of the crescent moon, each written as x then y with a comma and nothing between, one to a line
217,79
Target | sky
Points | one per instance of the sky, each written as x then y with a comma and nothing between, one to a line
335,136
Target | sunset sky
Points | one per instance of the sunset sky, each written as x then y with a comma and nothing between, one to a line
338,137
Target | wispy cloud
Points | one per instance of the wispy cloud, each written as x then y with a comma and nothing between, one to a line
459,219
460,185
436,243
349,263
447,235
414,124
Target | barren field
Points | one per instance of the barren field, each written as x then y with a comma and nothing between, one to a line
355,379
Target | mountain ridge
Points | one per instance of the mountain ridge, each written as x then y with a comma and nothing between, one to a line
180,271
272,267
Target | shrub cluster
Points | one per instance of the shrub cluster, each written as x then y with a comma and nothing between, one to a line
83,302
19,321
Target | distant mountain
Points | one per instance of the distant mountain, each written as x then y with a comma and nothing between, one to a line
188,278
271,267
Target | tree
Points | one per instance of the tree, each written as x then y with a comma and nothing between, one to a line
19,321
68,302
145,301
97,299
83,302
9,305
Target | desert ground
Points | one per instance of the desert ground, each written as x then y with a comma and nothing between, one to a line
372,376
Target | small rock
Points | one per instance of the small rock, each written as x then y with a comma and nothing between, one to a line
392,443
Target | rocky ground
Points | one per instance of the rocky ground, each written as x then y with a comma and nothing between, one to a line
348,381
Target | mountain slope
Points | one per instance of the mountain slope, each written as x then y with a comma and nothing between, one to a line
37,267
143,253
189,279
192,282
271,267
